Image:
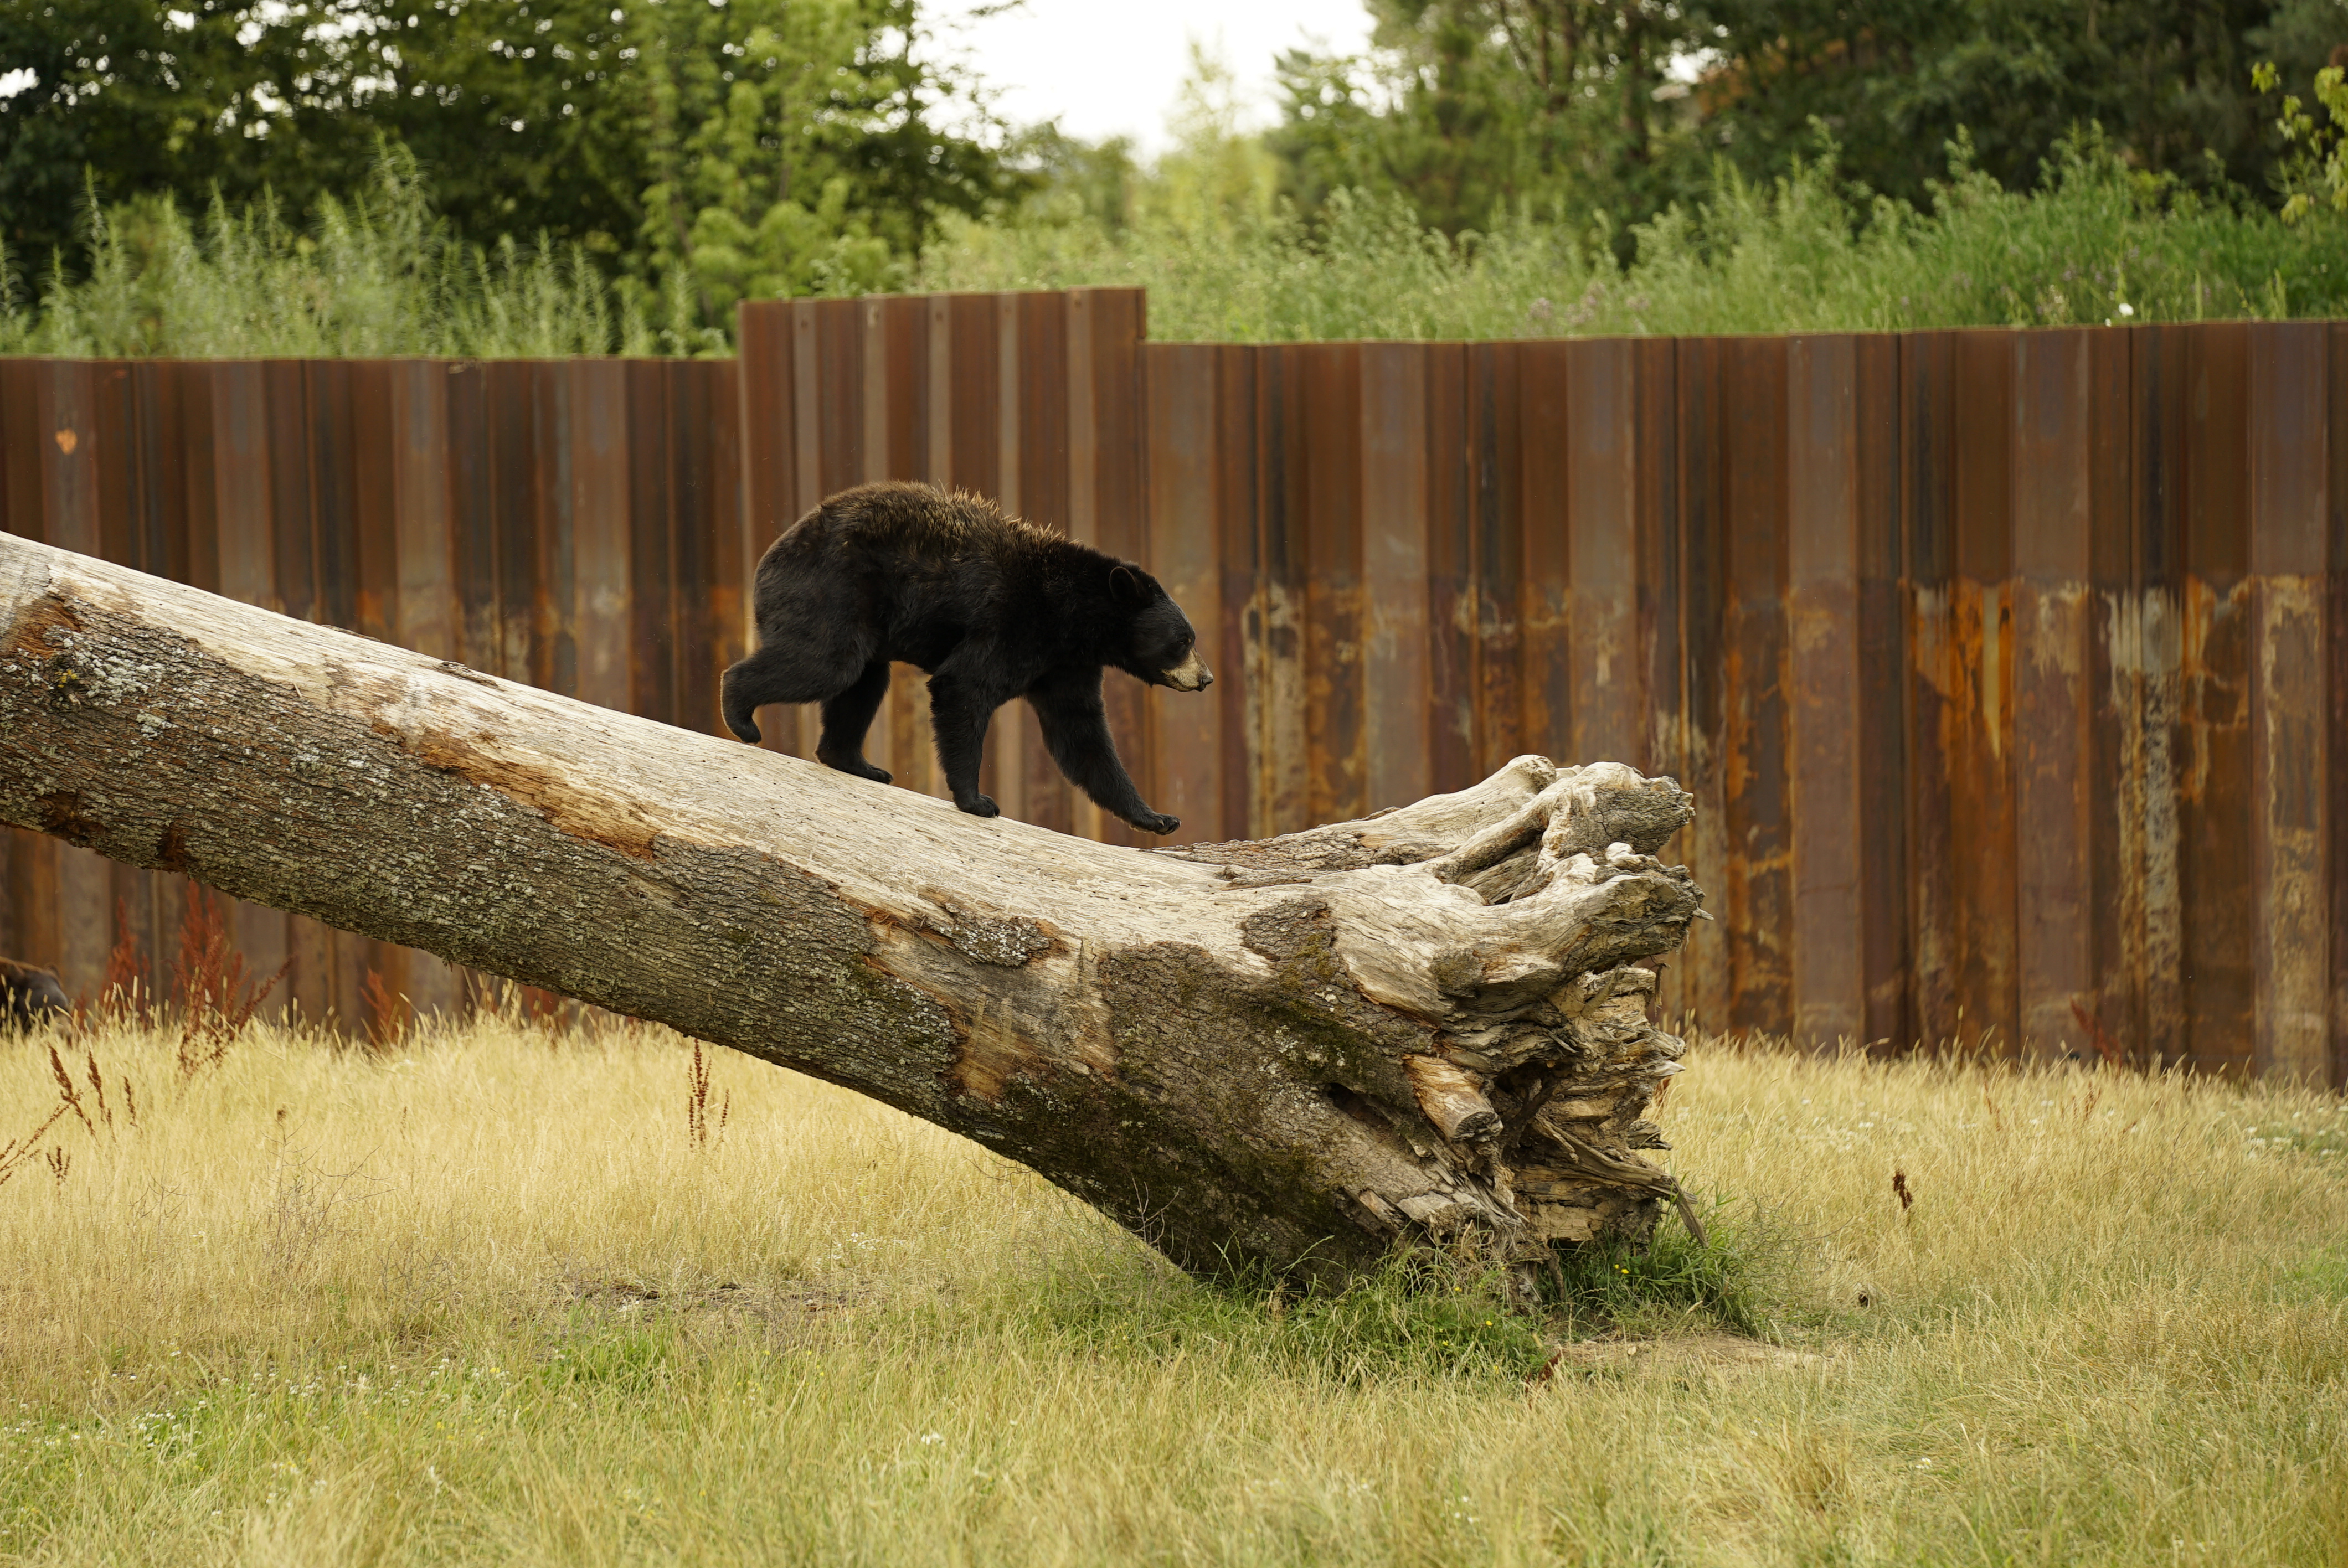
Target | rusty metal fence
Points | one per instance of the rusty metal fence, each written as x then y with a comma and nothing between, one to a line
2010,668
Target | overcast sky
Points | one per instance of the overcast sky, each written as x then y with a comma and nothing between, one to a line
1108,67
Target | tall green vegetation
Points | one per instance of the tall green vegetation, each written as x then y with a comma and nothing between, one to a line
376,275
589,176
1806,252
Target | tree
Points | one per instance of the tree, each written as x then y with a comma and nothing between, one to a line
1470,108
790,147
1895,81
145,99
1291,1053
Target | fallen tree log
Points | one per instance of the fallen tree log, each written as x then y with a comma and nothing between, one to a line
1290,1052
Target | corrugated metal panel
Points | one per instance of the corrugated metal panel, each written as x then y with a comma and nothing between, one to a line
2290,871
2335,766
1185,554
1394,510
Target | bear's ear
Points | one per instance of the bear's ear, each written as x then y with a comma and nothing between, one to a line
1132,586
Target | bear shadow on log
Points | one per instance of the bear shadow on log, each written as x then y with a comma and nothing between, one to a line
990,606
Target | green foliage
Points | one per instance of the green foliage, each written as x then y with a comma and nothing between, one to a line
154,99
2167,79
789,149
761,147
2317,168
1467,108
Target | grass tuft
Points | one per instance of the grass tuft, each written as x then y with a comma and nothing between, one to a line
1675,1281
1421,1317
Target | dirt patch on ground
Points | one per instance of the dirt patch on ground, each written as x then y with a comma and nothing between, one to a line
728,1303
1676,1356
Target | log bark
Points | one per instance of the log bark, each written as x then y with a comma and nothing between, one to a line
1430,1024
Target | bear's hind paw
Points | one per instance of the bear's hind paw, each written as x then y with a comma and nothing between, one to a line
856,768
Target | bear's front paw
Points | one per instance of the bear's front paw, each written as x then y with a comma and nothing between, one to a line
980,805
1155,822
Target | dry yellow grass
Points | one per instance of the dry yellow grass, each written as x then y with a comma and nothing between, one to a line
492,1300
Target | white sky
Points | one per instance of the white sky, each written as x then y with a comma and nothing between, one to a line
1108,67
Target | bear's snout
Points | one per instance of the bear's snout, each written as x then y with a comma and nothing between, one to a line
1191,675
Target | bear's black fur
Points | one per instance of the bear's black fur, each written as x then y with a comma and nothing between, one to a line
29,995
992,606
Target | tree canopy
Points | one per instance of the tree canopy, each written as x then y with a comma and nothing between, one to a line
1470,107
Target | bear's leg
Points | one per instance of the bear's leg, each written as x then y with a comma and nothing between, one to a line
846,718
791,670
960,709
1076,729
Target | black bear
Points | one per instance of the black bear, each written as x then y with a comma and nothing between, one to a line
991,607
29,995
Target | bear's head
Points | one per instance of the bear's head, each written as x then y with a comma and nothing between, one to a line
29,995
1158,646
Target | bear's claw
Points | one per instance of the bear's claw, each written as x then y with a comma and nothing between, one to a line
980,805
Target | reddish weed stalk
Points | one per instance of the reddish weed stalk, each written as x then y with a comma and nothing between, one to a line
696,1102
122,996
20,1152
2107,1048
214,988
388,1014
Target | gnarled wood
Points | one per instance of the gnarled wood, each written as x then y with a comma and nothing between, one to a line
1289,1052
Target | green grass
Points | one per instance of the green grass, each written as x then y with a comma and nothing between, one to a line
488,1299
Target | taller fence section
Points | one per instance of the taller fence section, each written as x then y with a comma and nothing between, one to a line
572,524
2009,668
